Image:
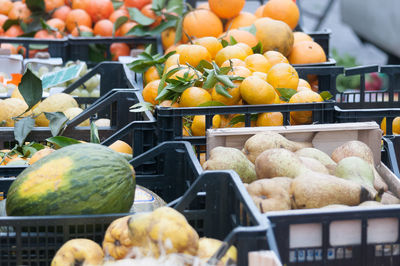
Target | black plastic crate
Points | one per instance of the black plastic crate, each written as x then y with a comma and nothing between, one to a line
364,252
216,205
55,47
114,105
362,99
391,145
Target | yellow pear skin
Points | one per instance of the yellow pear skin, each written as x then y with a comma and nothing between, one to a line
314,165
260,142
319,155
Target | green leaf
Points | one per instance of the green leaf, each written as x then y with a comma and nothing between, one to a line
22,128
326,95
30,88
138,16
210,81
204,65
221,90
178,30
97,52
237,119
258,49
117,4
286,93
28,151
224,43
141,107
165,77
252,29
37,146
233,40
61,141
57,122
46,26
9,22
211,103
35,5
176,6
86,34
226,81
94,133
118,23
140,30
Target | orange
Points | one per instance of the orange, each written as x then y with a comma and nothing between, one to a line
82,28
56,23
3,18
198,126
117,14
259,12
303,88
241,36
277,99
395,125
171,61
261,75
226,8
150,91
244,19
234,92
240,71
186,132
304,83
103,28
172,48
307,52
118,49
283,75
10,47
304,117
20,11
99,9
78,17
192,54
148,12
121,146
181,73
139,4
8,158
210,43
245,47
14,159
193,24
45,34
270,119
230,52
234,62
79,4
40,154
168,103
301,36
62,12
257,62
283,10
125,28
151,74
257,91
274,35
275,57
203,6
168,38
5,6
53,4
194,96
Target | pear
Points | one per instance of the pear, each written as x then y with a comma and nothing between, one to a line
370,203
359,149
358,170
260,142
222,158
208,246
314,165
271,194
335,206
388,198
316,190
279,162
319,155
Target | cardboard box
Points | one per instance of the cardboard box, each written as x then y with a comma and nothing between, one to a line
320,232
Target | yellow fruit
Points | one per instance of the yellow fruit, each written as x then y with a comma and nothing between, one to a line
277,99
240,71
257,63
72,112
303,89
261,75
58,102
151,74
198,126
275,57
230,52
150,91
270,119
173,60
245,47
301,36
234,92
283,76
304,83
121,146
208,246
194,96
234,62
11,107
40,154
212,44
395,125
168,103
256,91
192,54
244,19
304,117
240,36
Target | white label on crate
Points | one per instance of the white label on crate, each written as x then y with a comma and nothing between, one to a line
331,254
318,254
382,230
343,233
310,255
54,78
301,255
305,235
340,253
292,256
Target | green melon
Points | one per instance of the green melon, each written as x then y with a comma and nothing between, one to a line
78,179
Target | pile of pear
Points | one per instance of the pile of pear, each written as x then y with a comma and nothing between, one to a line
280,174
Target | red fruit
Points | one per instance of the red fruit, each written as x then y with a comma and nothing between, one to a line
139,4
